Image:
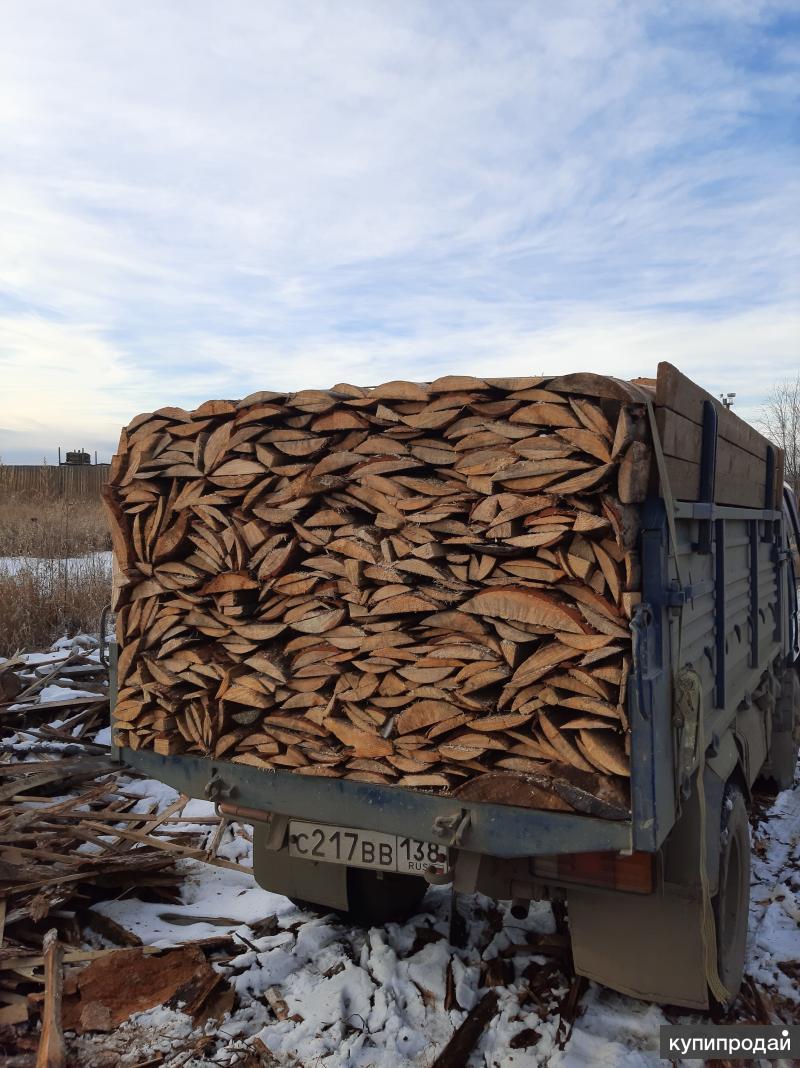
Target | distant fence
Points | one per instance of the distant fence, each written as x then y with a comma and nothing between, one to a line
79,480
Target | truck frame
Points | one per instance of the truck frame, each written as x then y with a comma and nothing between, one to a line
657,902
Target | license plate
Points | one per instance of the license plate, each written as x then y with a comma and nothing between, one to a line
365,849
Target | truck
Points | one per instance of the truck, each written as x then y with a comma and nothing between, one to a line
657,902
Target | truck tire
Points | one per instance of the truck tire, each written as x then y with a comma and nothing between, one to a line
732,902
779,769
375,897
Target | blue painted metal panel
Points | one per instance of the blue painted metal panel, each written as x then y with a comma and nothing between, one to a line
652,774
498,830
720,618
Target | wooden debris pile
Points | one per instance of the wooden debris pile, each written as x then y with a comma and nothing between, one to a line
54,864
82,704
10,681
406,584
92,992
60,855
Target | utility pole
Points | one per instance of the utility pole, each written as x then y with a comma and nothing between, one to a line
727,399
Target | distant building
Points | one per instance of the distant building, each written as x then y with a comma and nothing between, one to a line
75,458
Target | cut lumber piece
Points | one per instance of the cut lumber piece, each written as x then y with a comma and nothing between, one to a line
634,473
592,417
605,751
589,442
524,606
631,426
589,704
457,1052
609,568
512,785
594,385
581,483
424,714
559,740
543,414
52,1051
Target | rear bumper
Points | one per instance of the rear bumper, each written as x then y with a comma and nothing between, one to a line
502,831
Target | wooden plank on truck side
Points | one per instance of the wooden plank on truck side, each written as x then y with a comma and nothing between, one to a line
780,475
677,392
741,450
681,440
684,477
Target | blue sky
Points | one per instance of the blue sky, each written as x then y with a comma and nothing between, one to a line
202,200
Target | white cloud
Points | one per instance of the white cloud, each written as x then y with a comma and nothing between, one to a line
199,200
739,352
735,352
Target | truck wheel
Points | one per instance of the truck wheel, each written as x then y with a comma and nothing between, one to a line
378,897
732,903
375,897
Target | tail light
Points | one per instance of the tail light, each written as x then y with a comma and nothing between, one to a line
633,872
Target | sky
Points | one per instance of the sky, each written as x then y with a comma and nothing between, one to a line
201,200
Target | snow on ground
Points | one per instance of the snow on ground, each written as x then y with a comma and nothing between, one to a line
103,737
12,565
86,644
359,998
54,692
774,936
51,658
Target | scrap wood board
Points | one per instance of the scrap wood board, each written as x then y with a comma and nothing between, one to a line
410,584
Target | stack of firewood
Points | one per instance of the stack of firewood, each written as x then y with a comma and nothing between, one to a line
408,584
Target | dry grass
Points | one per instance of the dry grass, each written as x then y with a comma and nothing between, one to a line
45,599
51,527
55,574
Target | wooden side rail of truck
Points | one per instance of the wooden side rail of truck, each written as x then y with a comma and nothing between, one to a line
657,901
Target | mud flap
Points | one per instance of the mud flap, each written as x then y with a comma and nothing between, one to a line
648,946
779,766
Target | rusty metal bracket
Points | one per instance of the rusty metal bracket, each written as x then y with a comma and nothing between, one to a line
272,825
216,789
452,828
